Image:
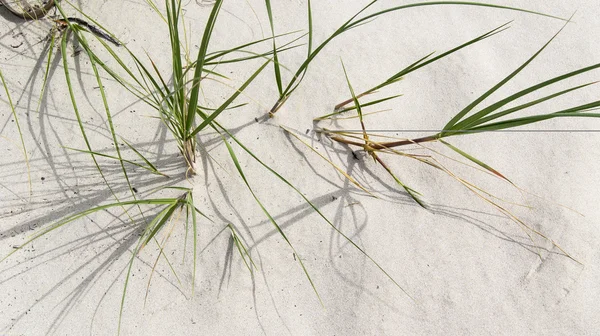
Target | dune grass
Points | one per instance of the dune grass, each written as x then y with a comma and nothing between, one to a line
177,105
175,96
357,21
20,132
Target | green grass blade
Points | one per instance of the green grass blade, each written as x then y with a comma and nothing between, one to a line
358,108
271,219
475,118
340,170
459,3
426,61
130,266
313,206
159,224
415,195
411,192
152,169
310,29
16,117
77,114
193,102
223,106
371,103
242,250
71,218
475,160
275,56
190,205
293,84
218,54
51,46
512,123
523,106
451,124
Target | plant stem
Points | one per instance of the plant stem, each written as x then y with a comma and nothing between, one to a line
189,154
384,145
348,101
277,105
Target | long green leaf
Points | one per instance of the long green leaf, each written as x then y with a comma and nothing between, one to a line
451,124
200,65
475,160
277,68
477,117
16,117
223,106
271,219
293,84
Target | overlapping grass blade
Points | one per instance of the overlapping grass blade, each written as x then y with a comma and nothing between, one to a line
342,110
474,160
453,122
340,170
218,127
276,66
367,147
424,62
271,219
195,90
352,23
512,123
71,218
242,250
16,119
231,98
150,167
481,119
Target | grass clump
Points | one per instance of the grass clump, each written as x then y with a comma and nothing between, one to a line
175,97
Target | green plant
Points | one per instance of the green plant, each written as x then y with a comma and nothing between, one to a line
354,22
177,106
176,97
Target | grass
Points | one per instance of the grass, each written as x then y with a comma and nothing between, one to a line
20,132
176,99
357,21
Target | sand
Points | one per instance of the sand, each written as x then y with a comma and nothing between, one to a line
462,267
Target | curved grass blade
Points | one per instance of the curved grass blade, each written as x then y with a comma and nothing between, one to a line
69,219
351,23
150,168
424,62
452,124
193,100
314,207
475,160
371,103
218,54
476,118
310,29
223,106
340,170
367,147
495,116
277,69
271,219
511,123
243,251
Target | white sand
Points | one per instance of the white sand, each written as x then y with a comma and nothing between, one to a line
470,269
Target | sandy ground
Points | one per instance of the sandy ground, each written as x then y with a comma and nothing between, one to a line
469,268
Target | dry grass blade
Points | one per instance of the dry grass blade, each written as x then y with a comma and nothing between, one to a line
336,167
16,119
